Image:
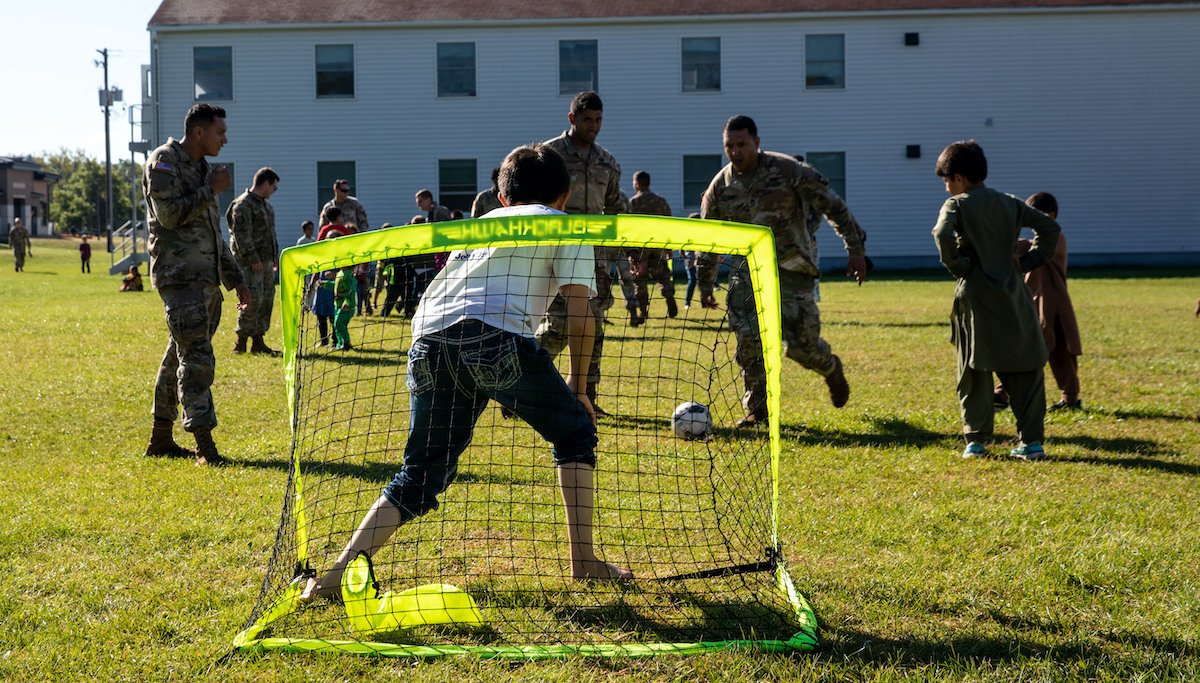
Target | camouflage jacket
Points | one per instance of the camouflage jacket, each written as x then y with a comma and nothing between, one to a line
485,201
779,195
595,177
186,246
353,212
18,239
649,204
251,222
438,214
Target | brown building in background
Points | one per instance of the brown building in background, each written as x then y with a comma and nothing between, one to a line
25,193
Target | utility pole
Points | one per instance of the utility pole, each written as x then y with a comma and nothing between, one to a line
107,97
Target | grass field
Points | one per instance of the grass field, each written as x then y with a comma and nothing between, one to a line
921,566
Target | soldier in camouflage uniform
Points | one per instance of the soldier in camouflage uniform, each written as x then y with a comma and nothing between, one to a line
488,199
651,264
775,190
353,212
624,273
189,261
253,242
18,240
595,189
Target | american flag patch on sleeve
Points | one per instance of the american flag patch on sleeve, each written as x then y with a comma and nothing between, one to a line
162,166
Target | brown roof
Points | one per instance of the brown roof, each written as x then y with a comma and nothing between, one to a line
203,12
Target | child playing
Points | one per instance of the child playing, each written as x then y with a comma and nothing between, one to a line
132,280
994,325
345,293
1048,286
474,342
322,305
85,255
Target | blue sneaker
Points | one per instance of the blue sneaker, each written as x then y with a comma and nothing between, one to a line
974,449
1029,451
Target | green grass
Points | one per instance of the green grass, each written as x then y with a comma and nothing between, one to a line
920,565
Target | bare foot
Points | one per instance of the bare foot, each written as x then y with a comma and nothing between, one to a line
599,570
314,590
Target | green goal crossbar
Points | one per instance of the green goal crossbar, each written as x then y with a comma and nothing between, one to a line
754,242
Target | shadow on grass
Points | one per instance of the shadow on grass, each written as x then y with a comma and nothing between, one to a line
886,432
1143,414
378,472
1139,462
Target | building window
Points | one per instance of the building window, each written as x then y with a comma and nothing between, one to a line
329,171
832,165
456,69
335,71
578,66
701,58
227,196
698,172
825,61
213,69
456,183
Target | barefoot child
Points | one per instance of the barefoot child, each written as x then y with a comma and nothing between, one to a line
474,342
994,324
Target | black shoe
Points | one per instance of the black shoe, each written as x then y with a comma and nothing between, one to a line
1066,405
672,307
999,402
839,388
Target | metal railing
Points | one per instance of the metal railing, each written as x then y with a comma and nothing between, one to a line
130,246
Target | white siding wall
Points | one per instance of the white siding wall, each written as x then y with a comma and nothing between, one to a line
1097,107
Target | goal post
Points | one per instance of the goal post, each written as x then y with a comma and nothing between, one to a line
338,465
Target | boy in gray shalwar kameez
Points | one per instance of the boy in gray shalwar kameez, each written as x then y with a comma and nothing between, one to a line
994,323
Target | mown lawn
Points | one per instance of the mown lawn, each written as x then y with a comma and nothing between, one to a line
920,565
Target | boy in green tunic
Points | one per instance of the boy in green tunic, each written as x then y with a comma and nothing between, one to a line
994,323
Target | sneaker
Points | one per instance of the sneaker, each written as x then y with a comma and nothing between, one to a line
974,449
1028,451
1066,405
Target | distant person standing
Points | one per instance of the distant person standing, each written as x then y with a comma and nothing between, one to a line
352,211
189,261
307,228
254,244
424,266
18,241
776,191
651,264
434,212
85,256
487,200
595,189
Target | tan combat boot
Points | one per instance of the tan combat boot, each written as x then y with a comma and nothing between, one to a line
162,442
206,449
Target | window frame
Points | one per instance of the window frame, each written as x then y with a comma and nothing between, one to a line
317,72
595,67
685,181
683,66
325,190
837,183
195,84
809,62
438,69
455,198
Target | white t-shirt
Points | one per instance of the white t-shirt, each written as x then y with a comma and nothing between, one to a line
507,288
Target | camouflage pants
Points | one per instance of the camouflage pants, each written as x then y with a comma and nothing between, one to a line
651,266
628,284
19,257
255,320
706,273
802,340
188,366
552,333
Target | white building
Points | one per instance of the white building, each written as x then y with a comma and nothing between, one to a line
1096,102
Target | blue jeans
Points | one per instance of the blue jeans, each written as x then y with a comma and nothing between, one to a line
692,280
451,376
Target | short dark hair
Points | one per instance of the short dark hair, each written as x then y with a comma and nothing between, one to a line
642,178
533,174
495,176
306,225
332,214
964,158
1044,202
266,174
201,114
587,99
339,181
424,192
456,214
742,122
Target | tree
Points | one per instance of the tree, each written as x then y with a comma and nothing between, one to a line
79,199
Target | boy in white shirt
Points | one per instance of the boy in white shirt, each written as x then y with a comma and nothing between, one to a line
474,342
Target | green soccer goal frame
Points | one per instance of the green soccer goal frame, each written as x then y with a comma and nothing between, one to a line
755,243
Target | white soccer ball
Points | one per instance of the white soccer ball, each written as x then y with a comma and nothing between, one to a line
692,420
